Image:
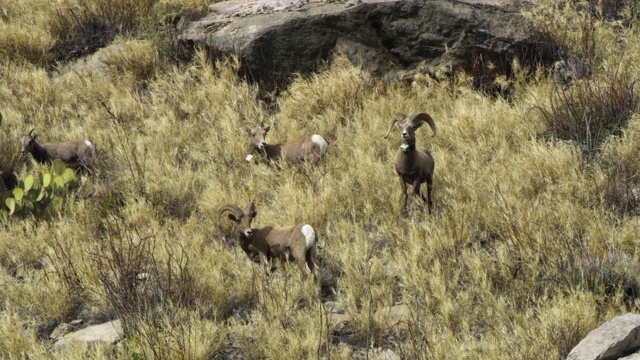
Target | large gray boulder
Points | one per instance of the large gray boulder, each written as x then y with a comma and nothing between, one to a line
615,339
275,38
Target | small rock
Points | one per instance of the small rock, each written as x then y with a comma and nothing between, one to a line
614,339
393,316
110,332
60,331
334,307
339,322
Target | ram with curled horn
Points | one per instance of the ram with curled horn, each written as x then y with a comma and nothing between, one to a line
413,165
291,243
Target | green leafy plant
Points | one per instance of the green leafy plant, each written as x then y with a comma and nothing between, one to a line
36,194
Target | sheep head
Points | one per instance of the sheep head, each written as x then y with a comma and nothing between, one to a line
257,135
409,125
242,218
27,141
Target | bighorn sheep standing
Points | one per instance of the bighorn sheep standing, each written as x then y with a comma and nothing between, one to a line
292,243
414,166
308,148
76,154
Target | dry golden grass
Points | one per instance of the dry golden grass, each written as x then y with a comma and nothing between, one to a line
521,258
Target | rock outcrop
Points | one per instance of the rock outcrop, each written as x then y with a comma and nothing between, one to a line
276,38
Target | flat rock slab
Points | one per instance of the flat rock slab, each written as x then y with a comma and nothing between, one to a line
109,333
614,339
277,38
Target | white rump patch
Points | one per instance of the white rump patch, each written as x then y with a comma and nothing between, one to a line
309,235
91,146
317,139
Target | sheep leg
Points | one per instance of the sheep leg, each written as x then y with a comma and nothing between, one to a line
300,257
311,263
404,196
416,191
429,190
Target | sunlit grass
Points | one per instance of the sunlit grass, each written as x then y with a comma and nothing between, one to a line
529,247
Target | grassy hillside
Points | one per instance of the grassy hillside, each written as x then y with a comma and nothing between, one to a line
533,241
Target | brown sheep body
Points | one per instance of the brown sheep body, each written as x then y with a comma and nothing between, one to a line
290,243
76,153
309,148
414,166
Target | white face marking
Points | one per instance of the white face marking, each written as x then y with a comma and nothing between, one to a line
248,233
309,235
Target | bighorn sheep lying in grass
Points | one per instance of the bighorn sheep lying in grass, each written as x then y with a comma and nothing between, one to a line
414,166
308,148
291,243
76,154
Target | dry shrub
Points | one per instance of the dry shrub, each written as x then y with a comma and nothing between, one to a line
621,188
136,279
609,9
609,275
593,109
82,26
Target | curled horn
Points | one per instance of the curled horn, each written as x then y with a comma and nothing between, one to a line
235,209
418,118
30,132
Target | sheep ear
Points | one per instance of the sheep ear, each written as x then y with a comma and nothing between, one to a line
232,217
266,129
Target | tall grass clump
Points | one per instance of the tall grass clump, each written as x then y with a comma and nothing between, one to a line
22,36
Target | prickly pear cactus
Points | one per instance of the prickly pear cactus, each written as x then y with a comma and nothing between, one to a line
43,192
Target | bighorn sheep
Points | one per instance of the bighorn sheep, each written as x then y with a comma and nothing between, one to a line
291,243
308,148
414,166
76,154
